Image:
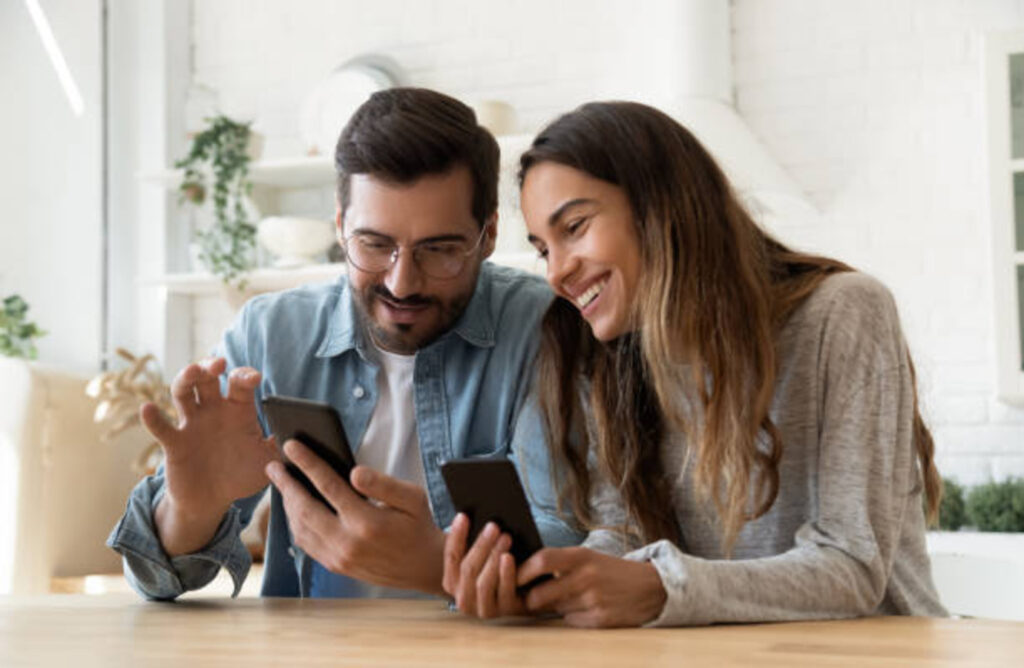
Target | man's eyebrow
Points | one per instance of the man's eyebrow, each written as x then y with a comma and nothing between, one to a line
439,238
362,231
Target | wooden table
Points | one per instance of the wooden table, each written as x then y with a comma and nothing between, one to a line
115,630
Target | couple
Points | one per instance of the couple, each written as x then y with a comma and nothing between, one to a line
730,427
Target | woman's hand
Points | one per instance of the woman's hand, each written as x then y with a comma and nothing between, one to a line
482,580
593,589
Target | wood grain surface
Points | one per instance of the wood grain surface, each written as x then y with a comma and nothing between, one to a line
119,630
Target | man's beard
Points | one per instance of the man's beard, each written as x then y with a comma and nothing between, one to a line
400,337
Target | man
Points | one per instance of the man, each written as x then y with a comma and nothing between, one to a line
424,350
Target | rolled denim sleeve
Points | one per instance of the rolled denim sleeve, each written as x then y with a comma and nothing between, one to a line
157,576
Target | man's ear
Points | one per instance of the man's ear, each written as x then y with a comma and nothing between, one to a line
490,234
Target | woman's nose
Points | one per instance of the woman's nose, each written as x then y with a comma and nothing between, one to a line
561,266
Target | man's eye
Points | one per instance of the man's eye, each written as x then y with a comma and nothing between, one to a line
441,249
374,245
542,253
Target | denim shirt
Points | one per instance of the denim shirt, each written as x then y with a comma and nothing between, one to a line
471,395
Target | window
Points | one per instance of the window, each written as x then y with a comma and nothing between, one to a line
1004,69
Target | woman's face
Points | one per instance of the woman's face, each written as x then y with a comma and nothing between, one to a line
583,227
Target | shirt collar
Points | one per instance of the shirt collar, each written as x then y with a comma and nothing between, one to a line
345,331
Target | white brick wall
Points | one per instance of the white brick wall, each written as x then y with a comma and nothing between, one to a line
874,106
263,57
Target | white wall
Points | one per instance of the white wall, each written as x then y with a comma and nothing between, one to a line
876,108
50,171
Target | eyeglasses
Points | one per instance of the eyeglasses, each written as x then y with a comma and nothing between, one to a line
438,259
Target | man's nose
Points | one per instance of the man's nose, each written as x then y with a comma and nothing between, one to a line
404,278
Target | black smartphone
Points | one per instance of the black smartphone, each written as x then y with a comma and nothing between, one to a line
317,426
489,490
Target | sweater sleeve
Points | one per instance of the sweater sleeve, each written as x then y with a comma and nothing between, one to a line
842,558
866,484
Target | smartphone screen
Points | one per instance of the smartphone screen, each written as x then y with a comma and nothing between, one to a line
317,426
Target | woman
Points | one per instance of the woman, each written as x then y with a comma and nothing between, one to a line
735,423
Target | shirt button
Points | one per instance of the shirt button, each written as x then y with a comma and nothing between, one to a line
358,392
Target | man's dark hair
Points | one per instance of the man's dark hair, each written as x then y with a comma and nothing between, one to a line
401,134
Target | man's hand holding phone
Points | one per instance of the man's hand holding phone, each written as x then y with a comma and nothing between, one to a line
214,455
387,538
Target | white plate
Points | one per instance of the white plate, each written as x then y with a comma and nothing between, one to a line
331,103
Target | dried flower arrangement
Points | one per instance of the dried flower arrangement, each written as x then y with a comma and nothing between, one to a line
122,393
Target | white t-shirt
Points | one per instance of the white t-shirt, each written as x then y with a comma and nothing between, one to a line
391,444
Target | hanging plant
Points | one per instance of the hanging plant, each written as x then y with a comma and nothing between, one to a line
16,334
220,152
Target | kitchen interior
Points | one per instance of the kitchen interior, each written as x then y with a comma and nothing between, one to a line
889,134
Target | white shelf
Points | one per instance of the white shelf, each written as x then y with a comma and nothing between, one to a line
270,280
317,171
302,172
260,280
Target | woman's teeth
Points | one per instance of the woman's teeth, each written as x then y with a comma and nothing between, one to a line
591,294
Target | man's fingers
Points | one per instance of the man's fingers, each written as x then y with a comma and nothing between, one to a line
454,551
307,517
399,494
242,383
208,382
157,425
183,392
331,485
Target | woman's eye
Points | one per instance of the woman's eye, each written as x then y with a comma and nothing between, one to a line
574,225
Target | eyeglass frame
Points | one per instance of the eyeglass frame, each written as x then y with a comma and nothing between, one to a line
398,248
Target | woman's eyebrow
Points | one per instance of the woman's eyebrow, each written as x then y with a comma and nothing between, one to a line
560,211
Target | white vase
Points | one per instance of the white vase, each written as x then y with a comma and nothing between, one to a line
295,242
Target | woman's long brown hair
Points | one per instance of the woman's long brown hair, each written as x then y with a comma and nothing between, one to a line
701,359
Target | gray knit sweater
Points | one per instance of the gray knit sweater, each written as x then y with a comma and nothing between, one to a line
846,534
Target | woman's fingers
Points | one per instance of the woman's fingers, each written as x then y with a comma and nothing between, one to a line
472,564
487,581
509,602
454,551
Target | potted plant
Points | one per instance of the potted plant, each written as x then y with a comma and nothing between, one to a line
16,334
221,153
977,554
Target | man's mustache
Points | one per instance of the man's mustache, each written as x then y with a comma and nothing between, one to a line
411,301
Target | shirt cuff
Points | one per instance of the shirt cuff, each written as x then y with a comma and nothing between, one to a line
157,576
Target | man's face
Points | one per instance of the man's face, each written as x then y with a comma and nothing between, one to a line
404,307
